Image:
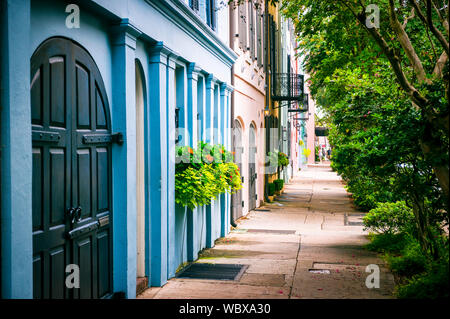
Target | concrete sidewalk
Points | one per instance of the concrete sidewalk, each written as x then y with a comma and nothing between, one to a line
326,236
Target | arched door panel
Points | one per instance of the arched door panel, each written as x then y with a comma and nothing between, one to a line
71,136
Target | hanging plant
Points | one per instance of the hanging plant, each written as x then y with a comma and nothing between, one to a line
306,152
283,160
202,174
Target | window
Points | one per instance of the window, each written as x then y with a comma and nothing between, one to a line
211,13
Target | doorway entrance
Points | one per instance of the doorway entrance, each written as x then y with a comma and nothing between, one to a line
142,281
252,168
71,139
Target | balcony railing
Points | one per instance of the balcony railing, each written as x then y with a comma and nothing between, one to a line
300,107
287,87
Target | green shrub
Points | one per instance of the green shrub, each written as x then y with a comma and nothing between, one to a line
271,189
412,260
279,183
389,218
432,284
387,243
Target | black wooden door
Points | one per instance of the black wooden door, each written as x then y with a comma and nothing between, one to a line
252,169
71,172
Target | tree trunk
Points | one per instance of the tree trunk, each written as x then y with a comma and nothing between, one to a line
432,148
425,234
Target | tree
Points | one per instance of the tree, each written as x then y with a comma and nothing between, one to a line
387,96
417,50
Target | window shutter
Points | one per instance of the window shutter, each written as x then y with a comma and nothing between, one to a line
194,4
242,27
272,45
212,7
258,38
211,14
251,28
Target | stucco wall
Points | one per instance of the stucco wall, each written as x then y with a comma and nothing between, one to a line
248,109
182,41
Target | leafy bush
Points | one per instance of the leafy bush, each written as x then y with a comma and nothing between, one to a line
420,276
432,284
412,260
279,183
389,218
271,188
387,243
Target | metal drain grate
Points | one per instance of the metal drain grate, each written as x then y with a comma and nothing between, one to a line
272,231
213,271
320,271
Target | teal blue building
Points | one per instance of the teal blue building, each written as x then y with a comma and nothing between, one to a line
92,94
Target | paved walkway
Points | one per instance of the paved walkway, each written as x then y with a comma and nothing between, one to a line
325,234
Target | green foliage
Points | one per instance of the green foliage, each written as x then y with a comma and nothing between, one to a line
278,158
412,260
190,189
204,173
283,160
420,276
387,243
433,284
377,134
389,218
271,188
279,183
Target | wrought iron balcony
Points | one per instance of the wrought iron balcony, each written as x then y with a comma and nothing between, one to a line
287,87
300,107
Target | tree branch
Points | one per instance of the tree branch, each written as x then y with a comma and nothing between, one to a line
406,44
435,31
412,15
427,20
415,96
441,18
439,67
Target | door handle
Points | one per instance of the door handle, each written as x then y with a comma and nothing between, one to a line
74,214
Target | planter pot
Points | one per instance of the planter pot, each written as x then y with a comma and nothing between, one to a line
270,198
